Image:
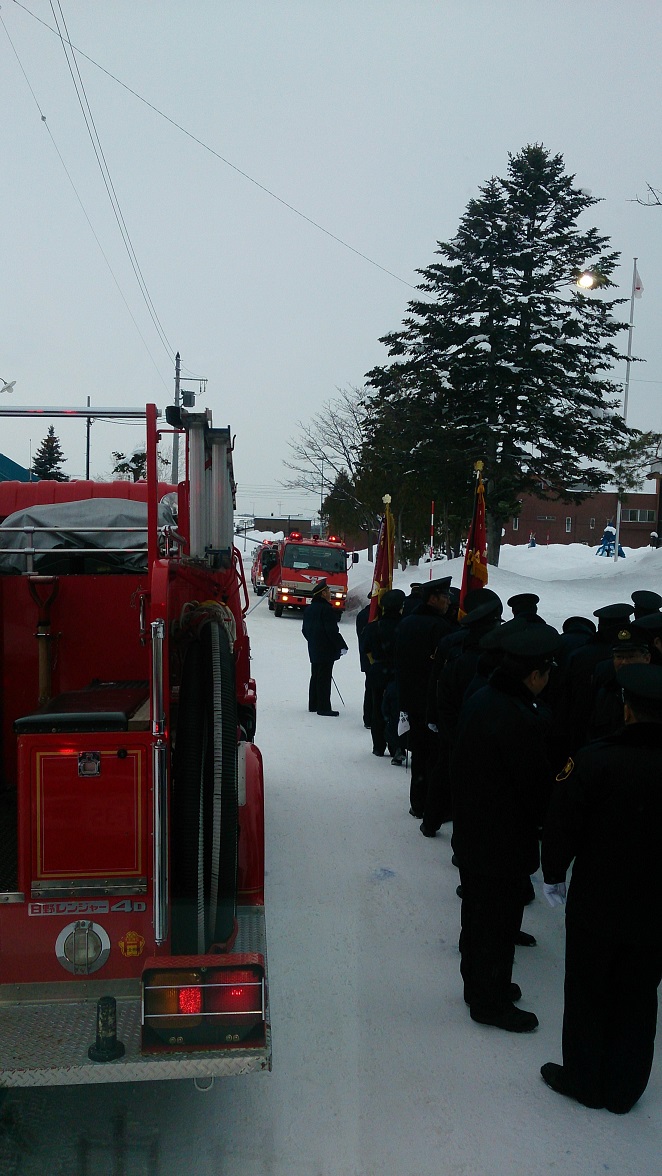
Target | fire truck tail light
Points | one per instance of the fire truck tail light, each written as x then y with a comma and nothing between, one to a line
232,993
172,999
189,1000
209,1006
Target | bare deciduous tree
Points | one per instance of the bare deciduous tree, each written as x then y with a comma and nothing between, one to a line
653,197
329,444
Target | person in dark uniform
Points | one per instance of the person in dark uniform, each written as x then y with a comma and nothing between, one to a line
413,600
362,618
524,604
325,645
651,625
606,814
501,780
575,686
378,648
630,648
646,603
416,640
576,632
447,689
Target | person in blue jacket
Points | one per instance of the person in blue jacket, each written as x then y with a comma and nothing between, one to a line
325,645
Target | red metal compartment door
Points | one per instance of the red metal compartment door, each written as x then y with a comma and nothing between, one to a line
88,806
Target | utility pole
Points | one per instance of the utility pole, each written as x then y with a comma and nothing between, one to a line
175,437
636,293
88,426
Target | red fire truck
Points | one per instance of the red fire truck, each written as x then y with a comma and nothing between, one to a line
132,941
264,557
301,563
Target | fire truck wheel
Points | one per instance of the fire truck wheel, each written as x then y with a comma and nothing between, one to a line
204,800
278,609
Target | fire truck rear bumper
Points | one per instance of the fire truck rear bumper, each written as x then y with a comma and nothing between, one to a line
44,1042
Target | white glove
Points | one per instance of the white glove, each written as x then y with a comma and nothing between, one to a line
343,652
403,723
555,893
434,728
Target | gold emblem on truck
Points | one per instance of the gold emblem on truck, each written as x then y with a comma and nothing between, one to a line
132,945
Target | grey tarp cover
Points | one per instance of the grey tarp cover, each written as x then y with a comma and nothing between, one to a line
68,521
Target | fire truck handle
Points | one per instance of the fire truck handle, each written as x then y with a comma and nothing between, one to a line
142,612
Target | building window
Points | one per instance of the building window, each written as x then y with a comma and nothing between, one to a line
516,523
631,515
568,524
591,523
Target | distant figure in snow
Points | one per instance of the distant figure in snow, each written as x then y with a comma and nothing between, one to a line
325,645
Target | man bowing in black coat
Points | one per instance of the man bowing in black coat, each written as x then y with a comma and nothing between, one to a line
606,813
325,645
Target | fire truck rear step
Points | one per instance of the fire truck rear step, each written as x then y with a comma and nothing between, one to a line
61,1032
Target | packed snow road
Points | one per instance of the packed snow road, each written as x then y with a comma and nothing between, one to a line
378,1070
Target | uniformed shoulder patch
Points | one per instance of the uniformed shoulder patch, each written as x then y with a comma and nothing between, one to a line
565,770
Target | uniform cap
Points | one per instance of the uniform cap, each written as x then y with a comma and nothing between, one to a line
644,682
629,639
524,602
492,640
319,587
439,587
646,602
393,600
479,596
614,612
579,625
530,641
491,609
651,623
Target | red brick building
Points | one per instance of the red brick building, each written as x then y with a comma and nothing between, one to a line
555,521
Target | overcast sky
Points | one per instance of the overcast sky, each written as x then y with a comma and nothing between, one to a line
377,119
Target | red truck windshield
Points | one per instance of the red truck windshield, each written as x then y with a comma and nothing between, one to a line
304,557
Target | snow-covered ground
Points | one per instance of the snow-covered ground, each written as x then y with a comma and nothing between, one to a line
378,1070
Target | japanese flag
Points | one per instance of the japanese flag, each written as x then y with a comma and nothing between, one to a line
638,284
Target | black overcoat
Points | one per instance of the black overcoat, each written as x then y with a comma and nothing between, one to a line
320,628
607,816
501,780
416,641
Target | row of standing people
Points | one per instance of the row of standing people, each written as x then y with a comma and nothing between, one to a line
496,713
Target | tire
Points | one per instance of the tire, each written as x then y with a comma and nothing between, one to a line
204,799
278,609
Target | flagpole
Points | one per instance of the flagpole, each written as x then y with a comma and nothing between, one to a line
626,392
431,537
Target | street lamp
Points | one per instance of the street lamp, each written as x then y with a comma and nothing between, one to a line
589,279
7,387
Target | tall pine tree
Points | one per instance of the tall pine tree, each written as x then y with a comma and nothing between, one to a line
48,459
505,359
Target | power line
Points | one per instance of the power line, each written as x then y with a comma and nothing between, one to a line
106,176
82,206
228,163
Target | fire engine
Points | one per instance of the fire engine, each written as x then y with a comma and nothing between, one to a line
132,934
301,563
265,557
